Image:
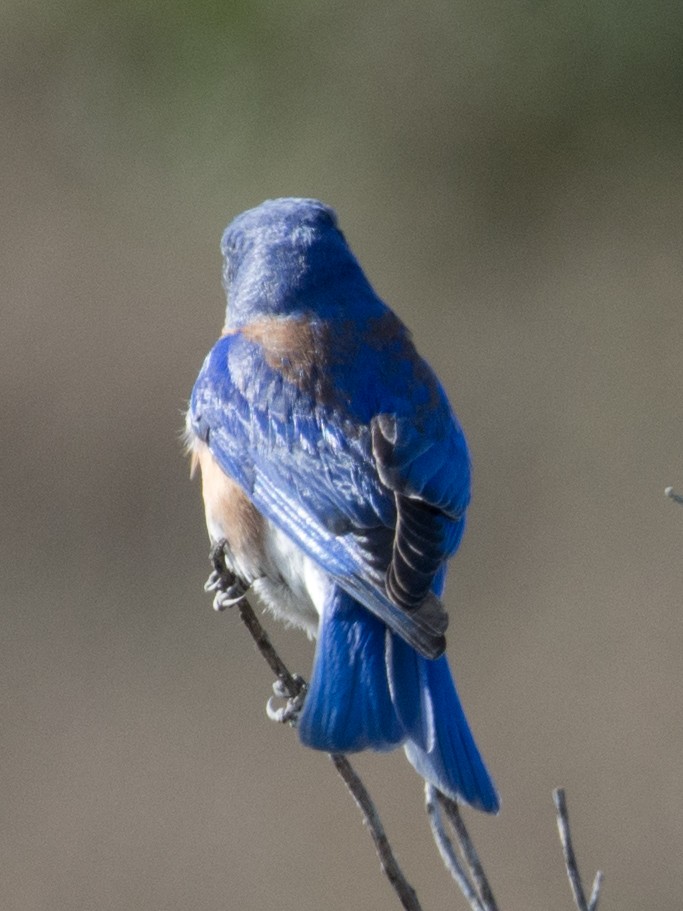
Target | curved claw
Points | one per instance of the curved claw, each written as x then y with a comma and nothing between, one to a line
229,588
213,582
225,598
290,711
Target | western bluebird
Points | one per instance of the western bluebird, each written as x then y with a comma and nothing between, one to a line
337,475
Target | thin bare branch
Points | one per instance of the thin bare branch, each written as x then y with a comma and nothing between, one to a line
469,852
570,857
446,849
290,683
293,686
393,872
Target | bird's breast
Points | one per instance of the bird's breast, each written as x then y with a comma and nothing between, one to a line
231,516
288,583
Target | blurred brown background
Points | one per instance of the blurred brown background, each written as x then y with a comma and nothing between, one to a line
510,177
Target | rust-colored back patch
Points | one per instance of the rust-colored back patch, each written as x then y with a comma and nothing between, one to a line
304,351
292,346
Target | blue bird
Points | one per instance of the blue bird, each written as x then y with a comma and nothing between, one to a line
338,476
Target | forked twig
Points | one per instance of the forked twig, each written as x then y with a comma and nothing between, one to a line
469,852
466,870
446,849
570,858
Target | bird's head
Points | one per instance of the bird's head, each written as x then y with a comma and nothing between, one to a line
287,257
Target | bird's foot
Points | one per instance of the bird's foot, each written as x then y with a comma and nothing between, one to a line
229,589
290,711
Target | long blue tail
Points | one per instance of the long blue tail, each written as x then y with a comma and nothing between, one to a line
371,690
348,706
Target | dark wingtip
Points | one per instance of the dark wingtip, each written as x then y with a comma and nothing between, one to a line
430,623
428,645
433,613
436,648
426,626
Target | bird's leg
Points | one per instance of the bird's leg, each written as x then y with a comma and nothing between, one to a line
291,710
229,589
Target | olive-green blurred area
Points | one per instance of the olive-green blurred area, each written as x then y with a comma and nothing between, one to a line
510,175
